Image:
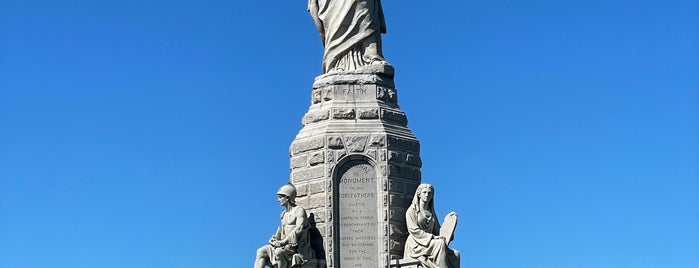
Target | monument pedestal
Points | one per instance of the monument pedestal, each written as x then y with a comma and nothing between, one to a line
356,166
406,263
314,263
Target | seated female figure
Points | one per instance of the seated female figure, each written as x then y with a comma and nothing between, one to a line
424,241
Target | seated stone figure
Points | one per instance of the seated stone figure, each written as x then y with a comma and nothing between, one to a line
290,245
424,241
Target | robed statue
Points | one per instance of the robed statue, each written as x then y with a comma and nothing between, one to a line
350,31
427,241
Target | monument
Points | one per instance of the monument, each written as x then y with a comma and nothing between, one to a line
355,164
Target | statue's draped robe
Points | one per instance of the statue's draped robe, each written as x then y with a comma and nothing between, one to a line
350,31
421,242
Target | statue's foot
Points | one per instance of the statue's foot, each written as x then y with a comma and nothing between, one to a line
379,62
336,70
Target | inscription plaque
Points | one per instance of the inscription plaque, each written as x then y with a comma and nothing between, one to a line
354,92
358,220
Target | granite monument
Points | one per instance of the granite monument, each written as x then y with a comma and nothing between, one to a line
355,163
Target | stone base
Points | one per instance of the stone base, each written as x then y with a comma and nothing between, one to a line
383,70
355,139
406,263
314,263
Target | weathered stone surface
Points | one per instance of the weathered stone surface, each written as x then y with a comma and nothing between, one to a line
396,186
405,263
316,158
329,156
401,144
400,201
307,145
299,161
381,94
356,143
398,230
316,187
397,215
392,96
343,113
404,172
396,157
340,154
316,117
410,188
319,217
387,94
382,155
377,141
315,97
413,160
368,113
382,75
316,201
302,190
314,263
395,116
382,170
321,226
395,246
335,142
371,153
308,174
328,93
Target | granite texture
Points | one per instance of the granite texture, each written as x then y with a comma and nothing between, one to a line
356,165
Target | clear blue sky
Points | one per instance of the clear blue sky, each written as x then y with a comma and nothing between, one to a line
150,133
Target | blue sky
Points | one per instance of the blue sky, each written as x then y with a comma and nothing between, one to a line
155,133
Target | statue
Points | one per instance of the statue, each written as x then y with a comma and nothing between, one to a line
350,31
424,241
290,246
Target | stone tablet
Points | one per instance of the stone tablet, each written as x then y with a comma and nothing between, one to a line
448,227
358,221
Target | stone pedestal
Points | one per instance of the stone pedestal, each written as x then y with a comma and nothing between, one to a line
356,166
406,263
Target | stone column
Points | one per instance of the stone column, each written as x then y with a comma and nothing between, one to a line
356,166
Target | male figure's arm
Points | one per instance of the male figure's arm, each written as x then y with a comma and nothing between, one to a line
300,227
275,240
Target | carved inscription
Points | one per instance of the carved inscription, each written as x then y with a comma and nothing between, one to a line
354,92
358,220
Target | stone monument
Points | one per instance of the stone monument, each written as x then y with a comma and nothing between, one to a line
355,163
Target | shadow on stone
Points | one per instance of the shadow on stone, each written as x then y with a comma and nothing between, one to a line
316,238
